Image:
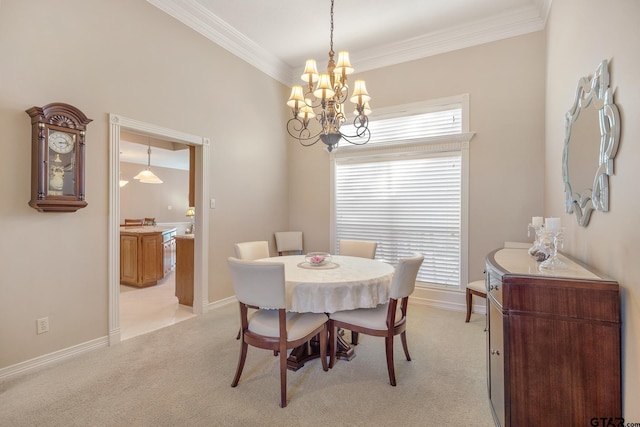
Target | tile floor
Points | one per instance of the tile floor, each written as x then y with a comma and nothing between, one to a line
144,310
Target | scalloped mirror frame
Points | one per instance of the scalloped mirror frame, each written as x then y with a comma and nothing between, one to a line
594,90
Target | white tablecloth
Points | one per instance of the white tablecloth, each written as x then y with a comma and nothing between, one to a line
355,283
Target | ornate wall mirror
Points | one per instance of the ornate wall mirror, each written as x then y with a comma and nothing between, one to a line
592,133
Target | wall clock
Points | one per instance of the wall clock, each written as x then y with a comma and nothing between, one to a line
57,157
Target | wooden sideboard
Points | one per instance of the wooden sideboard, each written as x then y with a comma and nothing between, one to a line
553,342
184,269
147,254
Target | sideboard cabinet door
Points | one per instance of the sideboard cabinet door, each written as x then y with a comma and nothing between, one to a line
495,361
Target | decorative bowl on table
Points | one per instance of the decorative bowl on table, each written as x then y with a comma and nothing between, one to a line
318,258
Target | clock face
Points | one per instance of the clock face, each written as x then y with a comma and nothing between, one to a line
61,142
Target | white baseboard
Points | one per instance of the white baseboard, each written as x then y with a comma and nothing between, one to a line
222,302
446,300
55,357
114,336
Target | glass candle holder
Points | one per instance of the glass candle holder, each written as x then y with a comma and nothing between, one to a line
537,250
554,240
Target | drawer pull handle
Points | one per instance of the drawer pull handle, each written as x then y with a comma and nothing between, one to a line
494,287
495,352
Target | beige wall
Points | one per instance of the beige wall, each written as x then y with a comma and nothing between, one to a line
505,83
129,58
139,200
581,33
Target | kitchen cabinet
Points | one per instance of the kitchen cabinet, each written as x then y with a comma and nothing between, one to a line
553,342
184,269
147,254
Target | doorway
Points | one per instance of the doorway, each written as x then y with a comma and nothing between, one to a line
201,240
161,195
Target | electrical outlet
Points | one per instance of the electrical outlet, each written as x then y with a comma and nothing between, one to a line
42,325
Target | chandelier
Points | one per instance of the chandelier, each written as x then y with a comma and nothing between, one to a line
326,103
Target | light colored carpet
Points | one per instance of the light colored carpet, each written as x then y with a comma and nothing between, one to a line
181,376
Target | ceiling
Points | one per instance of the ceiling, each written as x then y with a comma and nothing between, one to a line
278,36
133,149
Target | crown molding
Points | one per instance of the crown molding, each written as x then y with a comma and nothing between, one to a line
522,21
200,19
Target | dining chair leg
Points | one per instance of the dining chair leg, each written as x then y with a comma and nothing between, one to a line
388,343
332,343
283,378
469,304
243,357
323,348
403,337
354,338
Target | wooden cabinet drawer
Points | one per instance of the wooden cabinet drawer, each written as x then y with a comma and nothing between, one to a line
587,300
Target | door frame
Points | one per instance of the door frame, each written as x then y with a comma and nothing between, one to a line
201,240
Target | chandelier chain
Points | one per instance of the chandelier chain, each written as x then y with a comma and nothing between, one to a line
331,33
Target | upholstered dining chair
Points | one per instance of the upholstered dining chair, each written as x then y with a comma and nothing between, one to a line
359,248
272,327
250,251
362,249
288,241
477,288
385,320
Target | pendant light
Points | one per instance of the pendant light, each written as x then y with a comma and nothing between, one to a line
146,176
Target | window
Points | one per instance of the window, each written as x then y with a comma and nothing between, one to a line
406,190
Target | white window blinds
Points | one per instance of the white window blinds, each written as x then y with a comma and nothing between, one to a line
406,190
410,128
407,204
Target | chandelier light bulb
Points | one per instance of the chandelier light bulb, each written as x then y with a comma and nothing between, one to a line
344,65
306,112
324,89
360,94
296,99
310,74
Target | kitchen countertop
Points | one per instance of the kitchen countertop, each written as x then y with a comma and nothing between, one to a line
146,229
184,236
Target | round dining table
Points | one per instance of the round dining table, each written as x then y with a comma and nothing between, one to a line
344,283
